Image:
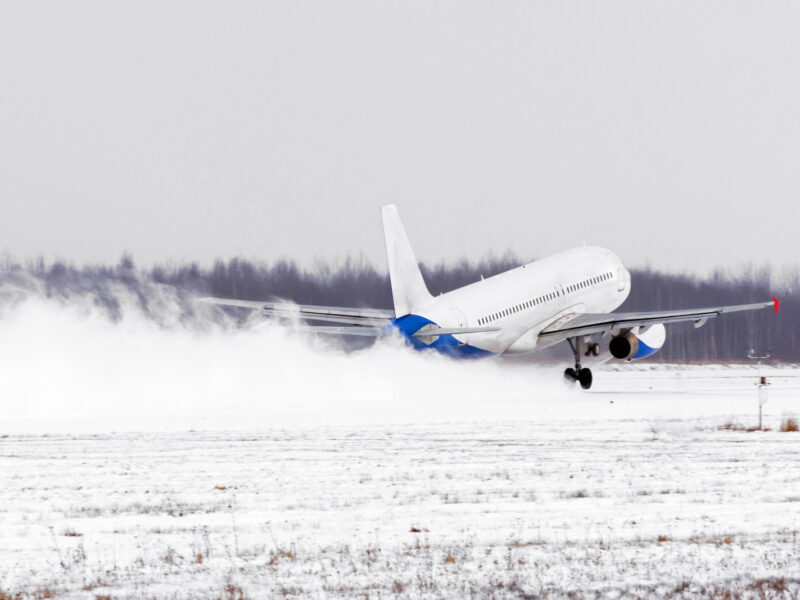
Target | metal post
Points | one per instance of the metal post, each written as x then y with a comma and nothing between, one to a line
762,382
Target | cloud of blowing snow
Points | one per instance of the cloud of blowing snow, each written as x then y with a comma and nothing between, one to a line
67,364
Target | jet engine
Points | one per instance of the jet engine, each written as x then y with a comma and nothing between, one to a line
638,343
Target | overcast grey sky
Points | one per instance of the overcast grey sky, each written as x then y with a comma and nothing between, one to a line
666,131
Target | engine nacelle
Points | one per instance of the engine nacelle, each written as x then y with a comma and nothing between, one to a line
624,346
638,344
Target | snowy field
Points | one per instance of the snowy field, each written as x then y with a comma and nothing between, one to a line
143,462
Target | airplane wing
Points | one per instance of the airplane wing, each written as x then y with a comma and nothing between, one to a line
364,317
588,323
335,330
359,321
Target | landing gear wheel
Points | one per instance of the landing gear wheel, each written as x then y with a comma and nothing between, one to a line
585,377
570,377
592,350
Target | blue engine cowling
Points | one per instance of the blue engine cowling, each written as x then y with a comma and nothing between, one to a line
638,344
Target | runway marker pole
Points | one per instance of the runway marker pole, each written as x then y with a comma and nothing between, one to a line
762,382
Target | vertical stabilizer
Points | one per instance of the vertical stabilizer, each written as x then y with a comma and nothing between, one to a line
408,289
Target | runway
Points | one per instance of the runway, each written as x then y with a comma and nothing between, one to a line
649,485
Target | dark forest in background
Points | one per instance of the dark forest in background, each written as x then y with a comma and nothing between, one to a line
357,283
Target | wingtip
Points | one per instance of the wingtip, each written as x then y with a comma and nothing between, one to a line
776,303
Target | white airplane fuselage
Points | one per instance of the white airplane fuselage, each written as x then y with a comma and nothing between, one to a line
521,302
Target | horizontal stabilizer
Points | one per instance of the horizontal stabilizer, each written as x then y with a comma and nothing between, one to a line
432,331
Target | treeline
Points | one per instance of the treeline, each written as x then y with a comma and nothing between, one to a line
357,283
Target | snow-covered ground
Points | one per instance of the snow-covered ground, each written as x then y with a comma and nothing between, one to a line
142,462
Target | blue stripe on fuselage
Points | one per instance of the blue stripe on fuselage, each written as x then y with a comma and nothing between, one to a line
644,350
408,325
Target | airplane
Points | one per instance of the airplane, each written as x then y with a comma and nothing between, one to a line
568,297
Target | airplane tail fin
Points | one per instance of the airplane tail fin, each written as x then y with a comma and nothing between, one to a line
408,288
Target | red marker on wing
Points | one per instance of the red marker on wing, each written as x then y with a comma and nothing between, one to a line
777,303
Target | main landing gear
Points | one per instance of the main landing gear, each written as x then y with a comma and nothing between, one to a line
581,375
